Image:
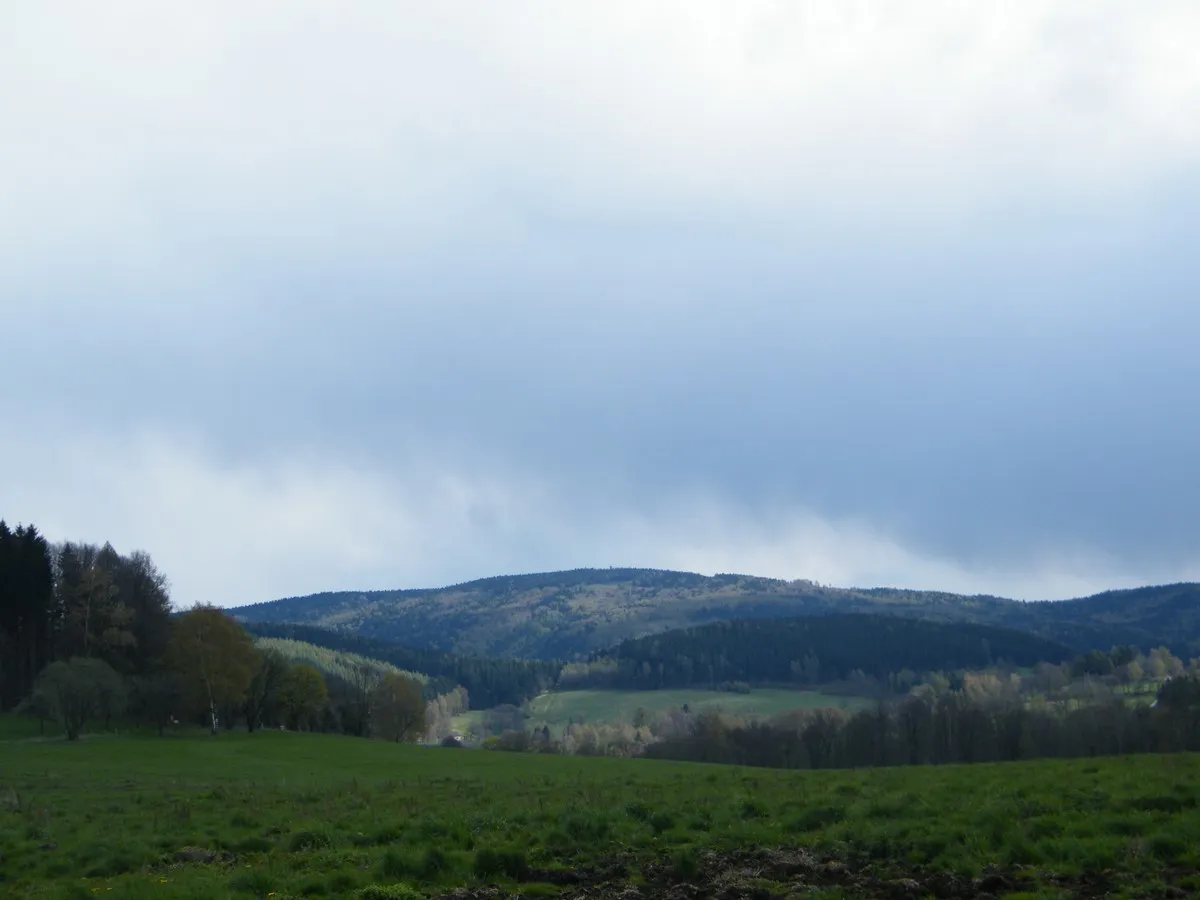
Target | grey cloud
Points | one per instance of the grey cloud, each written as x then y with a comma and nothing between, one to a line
974,341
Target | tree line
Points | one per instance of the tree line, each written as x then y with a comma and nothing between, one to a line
75,599
212,673
954,727
983,717
87,633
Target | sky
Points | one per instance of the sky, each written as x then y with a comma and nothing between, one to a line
303,296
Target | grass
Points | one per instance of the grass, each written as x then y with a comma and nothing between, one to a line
557,709
293,815
21,728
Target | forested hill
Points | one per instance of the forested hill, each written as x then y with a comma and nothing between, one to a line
807,651
567,615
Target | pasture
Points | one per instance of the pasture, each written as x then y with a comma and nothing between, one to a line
295,815
559,708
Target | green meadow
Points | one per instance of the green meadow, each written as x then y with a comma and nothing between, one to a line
559,708
297,815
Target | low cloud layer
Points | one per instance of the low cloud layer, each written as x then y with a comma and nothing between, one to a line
298,297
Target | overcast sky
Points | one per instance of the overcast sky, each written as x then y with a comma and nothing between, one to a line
305,296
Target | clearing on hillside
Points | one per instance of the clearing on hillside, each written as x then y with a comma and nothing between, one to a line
559,708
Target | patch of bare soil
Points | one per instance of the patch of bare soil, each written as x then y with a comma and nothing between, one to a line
785,874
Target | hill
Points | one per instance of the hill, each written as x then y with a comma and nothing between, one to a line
568,615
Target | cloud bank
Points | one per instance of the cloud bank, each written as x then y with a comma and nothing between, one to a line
301,296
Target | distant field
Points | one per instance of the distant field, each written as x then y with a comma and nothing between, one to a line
558,709
285,815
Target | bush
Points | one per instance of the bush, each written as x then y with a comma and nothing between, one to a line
75,691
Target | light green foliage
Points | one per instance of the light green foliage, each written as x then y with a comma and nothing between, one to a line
332,662
214,656
317,815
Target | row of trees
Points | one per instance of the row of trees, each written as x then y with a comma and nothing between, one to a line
985,719
88,633
212,671
949,728
66,600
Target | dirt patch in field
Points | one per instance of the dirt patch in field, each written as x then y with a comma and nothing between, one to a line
783,874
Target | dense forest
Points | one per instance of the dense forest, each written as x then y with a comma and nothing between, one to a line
808,651
571,615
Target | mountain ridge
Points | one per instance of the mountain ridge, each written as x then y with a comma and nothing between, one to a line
571,613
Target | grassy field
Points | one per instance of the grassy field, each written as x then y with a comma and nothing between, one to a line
291,815
559,708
